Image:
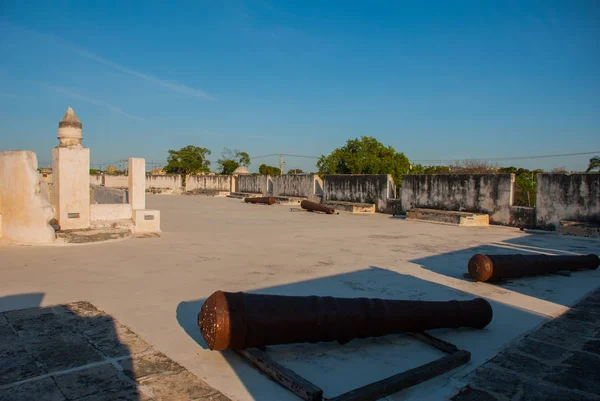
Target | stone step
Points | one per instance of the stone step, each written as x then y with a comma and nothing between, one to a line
579,228
352,207
465,219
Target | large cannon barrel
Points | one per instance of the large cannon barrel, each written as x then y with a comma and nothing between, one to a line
316,207
265,201
239,320
496,267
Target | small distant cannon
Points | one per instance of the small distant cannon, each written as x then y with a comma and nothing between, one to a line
316,207
497,267
238,320
264,201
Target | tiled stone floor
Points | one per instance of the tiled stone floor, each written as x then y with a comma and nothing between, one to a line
77,352
558,362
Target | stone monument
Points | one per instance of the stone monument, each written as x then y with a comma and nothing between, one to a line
71,175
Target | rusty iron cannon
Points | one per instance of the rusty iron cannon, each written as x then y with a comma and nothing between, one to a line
497,267
238,320
264,201
316,207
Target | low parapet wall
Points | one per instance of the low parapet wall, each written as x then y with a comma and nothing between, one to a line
254,184
308,186
476,193
208,183
360,188
567,197
166,183
115,181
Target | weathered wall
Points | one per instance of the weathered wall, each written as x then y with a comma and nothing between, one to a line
256,184
567,197
116,181
209,183
105,212
164,183
96,179
24,212
477,193
103,195
301,185
361,188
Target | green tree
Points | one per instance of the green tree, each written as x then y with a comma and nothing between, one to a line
594,164
188,160
295,171
269,170
232,159
365,156
93,171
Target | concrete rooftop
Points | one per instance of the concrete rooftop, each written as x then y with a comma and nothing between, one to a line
156,286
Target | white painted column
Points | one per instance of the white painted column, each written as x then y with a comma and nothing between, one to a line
137,183
71,187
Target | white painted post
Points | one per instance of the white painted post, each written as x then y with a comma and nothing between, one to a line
137,183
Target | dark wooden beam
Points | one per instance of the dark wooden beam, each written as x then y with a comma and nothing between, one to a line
282,375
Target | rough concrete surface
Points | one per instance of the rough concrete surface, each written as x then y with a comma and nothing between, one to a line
156,286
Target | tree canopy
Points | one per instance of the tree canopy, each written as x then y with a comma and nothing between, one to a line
188,160
365,156
232,159
295,171
594,164
269,170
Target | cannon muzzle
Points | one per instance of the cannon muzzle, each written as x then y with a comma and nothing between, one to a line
239,320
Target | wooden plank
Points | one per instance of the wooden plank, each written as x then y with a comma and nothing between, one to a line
401,381
435,342
282,375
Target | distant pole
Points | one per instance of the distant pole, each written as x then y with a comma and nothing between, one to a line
281,164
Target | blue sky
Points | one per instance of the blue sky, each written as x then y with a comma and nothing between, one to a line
436,80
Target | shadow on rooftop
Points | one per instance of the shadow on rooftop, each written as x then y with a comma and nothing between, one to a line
551,288
339,368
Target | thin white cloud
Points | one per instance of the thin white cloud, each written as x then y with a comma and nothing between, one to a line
172,85
75,95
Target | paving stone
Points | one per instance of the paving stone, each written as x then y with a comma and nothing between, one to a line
471,394
96,380
6,332
495,380
588,305
594,297
81,309
57,359
127,395
547,352
583,316
19,367
117,341
142,366
570,335
39,390
520,364
542,392
42,324
592,346
20,315
182,386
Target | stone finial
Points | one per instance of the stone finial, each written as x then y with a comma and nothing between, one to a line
70,130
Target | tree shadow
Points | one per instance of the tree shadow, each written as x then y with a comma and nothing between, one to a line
553,288
77,352
339,368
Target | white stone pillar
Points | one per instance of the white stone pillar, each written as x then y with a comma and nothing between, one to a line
71,175
137,183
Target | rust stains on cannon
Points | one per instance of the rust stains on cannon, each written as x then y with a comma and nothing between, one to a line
316,207
497,267
265,201
238,320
